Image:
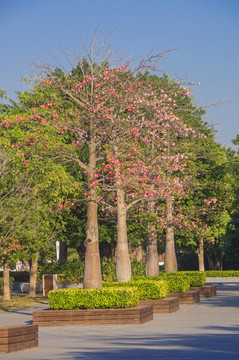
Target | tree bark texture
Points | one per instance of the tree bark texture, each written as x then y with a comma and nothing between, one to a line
81,250
214,261
201,266
33,275
123,264
139,253
107,250
170,254
92,273
6,282
152,262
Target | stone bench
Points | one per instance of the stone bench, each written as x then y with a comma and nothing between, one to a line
15,338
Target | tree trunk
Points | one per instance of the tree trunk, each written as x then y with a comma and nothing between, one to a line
6,282
210,261
214,261
152,262
219,262
107,250
81,251
170,254
139,253
123,265
92,272
152,259
201,255
33,275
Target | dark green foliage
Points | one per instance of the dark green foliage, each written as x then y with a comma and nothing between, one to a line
23,276
187,261
138,268
225,273
69,299
72,272
148,290
108,269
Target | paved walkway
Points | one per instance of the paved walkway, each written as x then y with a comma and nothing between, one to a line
209,330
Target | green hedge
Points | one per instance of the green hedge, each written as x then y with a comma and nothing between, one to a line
175,281
157,289
1,285
197,278
224,273
107,298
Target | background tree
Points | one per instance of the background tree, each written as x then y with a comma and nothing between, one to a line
231,244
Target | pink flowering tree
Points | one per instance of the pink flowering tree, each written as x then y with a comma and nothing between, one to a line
143,162
78,122
168,173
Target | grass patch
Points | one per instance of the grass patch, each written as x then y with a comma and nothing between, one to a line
21,301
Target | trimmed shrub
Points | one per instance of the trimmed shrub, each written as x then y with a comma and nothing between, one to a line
110,298
148,290
175,281
224,273
197,278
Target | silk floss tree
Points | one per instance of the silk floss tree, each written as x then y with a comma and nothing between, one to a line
87,105
95,95
162,143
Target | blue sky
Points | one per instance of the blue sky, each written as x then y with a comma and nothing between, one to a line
204,32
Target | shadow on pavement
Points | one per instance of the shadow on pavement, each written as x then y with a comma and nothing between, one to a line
165,347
